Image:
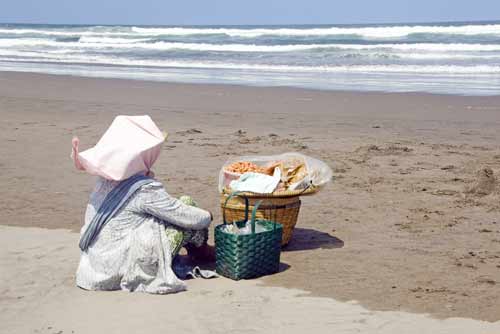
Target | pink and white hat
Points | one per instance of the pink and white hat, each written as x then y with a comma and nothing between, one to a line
130,146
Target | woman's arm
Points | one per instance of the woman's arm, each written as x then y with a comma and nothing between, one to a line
154,200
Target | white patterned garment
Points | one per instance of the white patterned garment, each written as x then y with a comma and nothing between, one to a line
132,252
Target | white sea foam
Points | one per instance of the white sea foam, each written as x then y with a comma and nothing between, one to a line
402,69
417,56
387,57
377,32
369,32
100,43
111,40
442,56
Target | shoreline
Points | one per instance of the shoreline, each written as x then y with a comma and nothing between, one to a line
189,82
397,230
19,75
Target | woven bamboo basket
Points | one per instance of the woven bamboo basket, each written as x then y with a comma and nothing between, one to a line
280,207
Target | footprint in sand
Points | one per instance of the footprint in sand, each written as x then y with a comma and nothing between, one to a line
484,184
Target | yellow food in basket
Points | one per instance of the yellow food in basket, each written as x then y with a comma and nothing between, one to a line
292,170
241,167
297,174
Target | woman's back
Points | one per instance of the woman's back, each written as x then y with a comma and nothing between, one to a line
130,248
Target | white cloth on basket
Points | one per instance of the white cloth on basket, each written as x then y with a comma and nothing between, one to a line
257,182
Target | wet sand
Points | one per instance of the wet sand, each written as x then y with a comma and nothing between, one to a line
411,222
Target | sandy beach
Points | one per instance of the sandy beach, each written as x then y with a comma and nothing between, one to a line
406,238
45,300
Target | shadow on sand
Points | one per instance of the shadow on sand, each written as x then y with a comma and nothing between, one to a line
183,263
303,239
308,239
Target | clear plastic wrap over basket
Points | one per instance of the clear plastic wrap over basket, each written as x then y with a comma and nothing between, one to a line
318,173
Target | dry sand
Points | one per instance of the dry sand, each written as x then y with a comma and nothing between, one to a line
411,223
44,299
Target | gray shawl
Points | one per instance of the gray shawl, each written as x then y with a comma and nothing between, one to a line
112,204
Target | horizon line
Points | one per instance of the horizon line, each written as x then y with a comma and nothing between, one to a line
257,25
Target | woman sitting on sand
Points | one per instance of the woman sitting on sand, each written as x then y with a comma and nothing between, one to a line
133,227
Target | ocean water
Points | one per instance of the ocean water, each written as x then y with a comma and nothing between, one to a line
453,58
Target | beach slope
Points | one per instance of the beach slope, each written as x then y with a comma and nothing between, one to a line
411,222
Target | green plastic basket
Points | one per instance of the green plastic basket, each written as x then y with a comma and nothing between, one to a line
243,256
